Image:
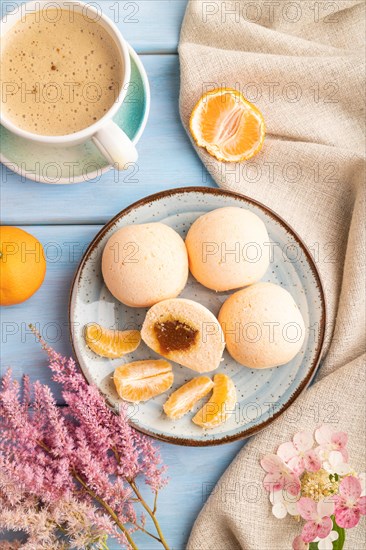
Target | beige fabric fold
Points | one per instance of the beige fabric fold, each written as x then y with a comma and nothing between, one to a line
303,64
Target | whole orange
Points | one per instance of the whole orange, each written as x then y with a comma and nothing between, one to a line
22,265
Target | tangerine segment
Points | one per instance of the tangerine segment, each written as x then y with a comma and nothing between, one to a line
142,380
184,398
230,127
111,343
222,402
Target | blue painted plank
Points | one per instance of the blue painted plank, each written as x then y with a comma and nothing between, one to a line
166,159
150,27
48,308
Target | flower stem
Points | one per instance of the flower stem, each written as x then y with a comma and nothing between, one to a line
155,503
98,499
151,513
146,532
108,509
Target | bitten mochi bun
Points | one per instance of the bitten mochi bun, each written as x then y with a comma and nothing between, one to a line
185,332
226,248
263,326
144,264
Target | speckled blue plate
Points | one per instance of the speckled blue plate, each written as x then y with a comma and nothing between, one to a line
262,394
81,162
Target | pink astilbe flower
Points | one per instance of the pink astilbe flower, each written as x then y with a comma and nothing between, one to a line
126,447
319,523
74,468
55,434
150,462
299,454
349,504
43,525
16,416
279,476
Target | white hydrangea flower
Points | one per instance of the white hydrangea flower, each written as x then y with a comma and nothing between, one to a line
335,464
283,504
327,543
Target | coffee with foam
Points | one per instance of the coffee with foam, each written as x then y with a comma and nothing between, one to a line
60,72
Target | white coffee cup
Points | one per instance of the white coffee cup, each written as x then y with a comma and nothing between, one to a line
113,143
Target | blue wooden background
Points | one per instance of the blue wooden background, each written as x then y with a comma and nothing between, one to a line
66,218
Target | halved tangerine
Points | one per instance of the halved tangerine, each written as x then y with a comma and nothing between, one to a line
142,380
184,398
230,127
111,343
221,404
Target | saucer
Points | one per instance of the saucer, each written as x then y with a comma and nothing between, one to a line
82,162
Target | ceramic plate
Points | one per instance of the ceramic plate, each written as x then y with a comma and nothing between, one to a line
262,394
81,162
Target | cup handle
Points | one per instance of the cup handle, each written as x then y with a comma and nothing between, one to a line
114,144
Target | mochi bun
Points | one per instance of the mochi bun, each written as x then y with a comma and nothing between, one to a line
144,264
226,248
263,326
185,332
